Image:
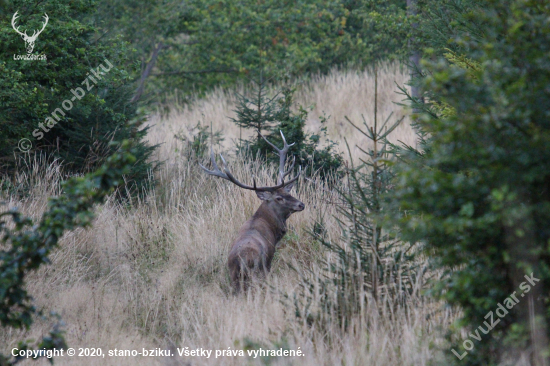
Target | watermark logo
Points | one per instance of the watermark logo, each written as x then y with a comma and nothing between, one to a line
29,40
501,311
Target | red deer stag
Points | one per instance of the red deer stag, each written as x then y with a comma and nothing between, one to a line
252,251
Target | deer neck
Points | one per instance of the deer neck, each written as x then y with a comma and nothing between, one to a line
275,221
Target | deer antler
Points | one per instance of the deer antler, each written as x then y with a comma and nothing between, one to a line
282,158
13,19
226,173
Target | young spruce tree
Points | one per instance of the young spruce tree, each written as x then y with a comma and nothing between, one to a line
269,114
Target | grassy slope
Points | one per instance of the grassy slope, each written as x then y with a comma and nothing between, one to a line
154,275
337,95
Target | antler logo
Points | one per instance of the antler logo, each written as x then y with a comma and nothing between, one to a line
29,40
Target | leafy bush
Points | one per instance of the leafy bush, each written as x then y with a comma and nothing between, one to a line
26,247
35,96
479,197
203,44
198,145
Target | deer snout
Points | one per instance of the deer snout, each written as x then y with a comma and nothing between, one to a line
300,206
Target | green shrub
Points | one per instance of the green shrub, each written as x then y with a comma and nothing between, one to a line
27,246
73,104
479,197
201,140
203,44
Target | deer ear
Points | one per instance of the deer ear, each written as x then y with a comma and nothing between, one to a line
264,196
288,187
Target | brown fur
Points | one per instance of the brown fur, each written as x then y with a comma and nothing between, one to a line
253,250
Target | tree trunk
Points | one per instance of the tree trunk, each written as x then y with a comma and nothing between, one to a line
414,58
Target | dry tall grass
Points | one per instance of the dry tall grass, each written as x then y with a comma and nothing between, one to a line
337,95
154,274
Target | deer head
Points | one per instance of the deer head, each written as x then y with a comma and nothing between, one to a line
29,40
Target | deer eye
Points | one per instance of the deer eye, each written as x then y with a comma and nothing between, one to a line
280,199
